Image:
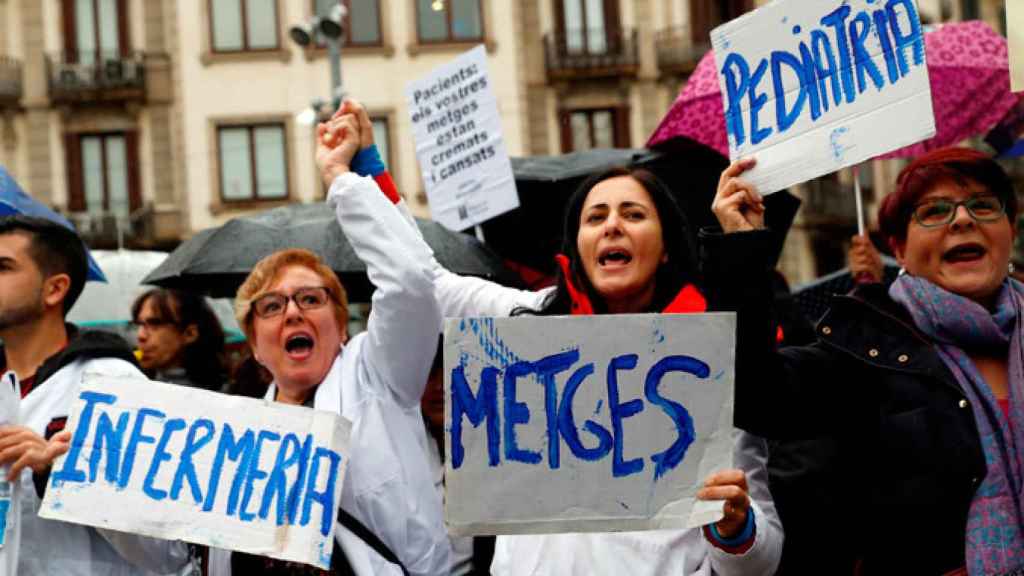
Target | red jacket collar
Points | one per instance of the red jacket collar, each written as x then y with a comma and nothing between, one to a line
688,300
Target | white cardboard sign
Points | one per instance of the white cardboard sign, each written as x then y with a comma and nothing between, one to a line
459,143
585,423
1015,34
185,464
812,87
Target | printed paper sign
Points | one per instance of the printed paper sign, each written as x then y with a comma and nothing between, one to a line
811,87
459,143
585,423
186,464
1015,33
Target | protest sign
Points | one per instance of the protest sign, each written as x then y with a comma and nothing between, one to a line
585,423
1015,34
186,464
811,87
459,143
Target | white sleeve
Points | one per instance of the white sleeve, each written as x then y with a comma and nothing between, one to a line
404,318
750,453
150,554
460,296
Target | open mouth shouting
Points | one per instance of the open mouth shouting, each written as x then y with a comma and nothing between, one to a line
964,253
614,258
299,346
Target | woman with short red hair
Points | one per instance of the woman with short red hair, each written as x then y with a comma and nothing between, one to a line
917,389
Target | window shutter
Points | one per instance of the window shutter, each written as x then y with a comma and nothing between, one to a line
123,38
70,34
623,138
76,190
131,147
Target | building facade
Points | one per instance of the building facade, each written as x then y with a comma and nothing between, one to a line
148,120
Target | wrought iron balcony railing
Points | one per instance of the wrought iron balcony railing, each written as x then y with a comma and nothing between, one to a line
96,76
10,80
591,52
676,51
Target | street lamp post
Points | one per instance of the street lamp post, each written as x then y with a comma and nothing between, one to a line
331,28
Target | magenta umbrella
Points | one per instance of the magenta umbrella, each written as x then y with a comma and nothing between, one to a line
967,66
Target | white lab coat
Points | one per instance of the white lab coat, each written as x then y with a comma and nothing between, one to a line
376,382
635,553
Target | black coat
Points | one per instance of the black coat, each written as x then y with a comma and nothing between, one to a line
900,456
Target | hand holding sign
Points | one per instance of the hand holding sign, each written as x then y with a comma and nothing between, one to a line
737,204
731,486
21,447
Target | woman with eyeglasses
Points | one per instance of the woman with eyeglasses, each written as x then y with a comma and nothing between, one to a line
294,312
917,389
180,339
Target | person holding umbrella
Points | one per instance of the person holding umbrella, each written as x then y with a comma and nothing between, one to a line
918,387
293,310
625,250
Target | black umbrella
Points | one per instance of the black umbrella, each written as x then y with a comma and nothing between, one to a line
814,298
217,260
532,233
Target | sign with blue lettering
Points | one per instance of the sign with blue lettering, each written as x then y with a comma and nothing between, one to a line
585,423
811,87
186,464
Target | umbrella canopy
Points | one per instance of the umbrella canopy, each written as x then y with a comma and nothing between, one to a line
814,298
108,306
14,200
967,67
216,261
532,234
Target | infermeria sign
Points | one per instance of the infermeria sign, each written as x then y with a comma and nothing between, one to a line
223,471
811,87
579,424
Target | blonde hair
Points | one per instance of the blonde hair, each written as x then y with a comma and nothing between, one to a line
267,271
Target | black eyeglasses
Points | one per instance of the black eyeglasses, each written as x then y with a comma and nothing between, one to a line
150,323
940,212
306,298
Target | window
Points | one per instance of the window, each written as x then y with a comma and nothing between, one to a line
449,20
94,30
588,26
596,128
705,15
969,10
103,173
253,162
243,25
362,24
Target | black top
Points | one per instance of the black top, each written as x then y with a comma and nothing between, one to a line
898,451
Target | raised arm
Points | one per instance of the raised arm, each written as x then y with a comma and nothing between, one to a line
458,296
403,324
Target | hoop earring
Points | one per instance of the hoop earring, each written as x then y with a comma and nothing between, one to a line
902,272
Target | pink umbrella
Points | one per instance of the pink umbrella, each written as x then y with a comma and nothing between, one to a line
967,66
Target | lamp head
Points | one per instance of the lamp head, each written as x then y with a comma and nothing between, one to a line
301,34
332,25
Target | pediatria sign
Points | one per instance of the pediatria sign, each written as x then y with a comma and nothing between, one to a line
812,87
223,471
459,143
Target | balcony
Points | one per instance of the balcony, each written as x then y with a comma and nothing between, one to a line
10,82
677,54
103,77
591,53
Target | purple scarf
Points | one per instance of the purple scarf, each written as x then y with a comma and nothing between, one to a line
995,522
